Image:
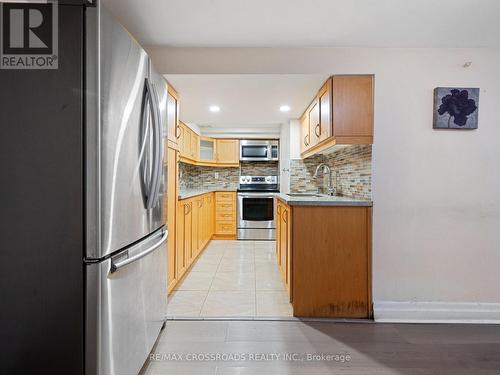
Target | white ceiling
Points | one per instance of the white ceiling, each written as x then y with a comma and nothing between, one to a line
303,23
246,100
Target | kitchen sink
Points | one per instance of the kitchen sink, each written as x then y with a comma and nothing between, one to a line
306,195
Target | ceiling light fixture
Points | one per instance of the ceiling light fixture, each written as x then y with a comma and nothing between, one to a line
284,108
214,108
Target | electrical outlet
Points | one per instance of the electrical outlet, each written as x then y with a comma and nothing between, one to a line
216,175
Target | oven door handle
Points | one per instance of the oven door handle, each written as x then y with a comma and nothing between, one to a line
257,195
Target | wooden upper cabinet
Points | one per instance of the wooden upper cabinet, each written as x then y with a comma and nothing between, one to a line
173,132
189,142
228,151
314,124
207,149
195,146
341,113
353,108
305,139
324,130
184,140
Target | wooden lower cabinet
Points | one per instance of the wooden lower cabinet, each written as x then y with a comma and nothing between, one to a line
327,252
172,193
324,258
195,227
283,244
225,215
183,243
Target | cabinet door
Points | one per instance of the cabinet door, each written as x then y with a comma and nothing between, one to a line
283,235
188,143
188,234
287,248
173,131
227,151
201,226
305,140
195,146
172,218
207,149
195,229
212,214
314,124
352,105
325,117
184,141
181,239
278,233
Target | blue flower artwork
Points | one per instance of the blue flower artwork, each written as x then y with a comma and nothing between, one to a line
456,108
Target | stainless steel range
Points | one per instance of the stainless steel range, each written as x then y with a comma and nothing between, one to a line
256,211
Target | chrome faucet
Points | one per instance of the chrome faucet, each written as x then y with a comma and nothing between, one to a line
326,169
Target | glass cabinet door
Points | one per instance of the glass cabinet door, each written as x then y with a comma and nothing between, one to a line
207,149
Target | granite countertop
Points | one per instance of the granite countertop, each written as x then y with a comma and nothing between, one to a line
189,193
323,200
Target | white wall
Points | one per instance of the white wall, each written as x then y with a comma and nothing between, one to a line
285,158
436,193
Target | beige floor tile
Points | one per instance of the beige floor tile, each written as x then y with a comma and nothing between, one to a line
269,258
231,272
268,281
239,253
229,303
186,303
236,266
209,258
273,303
196,281
233,281
205,267
237,243
237,259
263,268
264,244
215,249
265,250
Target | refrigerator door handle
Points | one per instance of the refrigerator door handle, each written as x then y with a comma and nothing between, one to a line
149,106
119,262
159,147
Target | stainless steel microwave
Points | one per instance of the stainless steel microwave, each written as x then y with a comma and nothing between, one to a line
259,150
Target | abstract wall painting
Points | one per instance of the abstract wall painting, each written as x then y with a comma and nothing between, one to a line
456,108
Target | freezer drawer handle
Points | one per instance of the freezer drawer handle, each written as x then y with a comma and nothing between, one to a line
116,265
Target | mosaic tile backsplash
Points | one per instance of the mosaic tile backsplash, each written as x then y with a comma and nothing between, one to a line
351,169
259,168
197,177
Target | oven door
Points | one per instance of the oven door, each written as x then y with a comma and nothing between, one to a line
256,210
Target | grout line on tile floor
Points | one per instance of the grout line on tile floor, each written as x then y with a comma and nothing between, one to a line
211,283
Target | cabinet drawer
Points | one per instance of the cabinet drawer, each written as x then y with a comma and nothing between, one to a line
225,227
225,216
225,197
225,206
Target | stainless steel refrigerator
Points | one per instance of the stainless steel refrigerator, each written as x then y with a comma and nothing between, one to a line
84,203
126,114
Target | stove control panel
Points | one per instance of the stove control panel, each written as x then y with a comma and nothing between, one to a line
258,180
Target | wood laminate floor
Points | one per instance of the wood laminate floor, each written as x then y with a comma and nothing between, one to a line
282,347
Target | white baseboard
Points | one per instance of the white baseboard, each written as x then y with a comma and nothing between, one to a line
436,312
